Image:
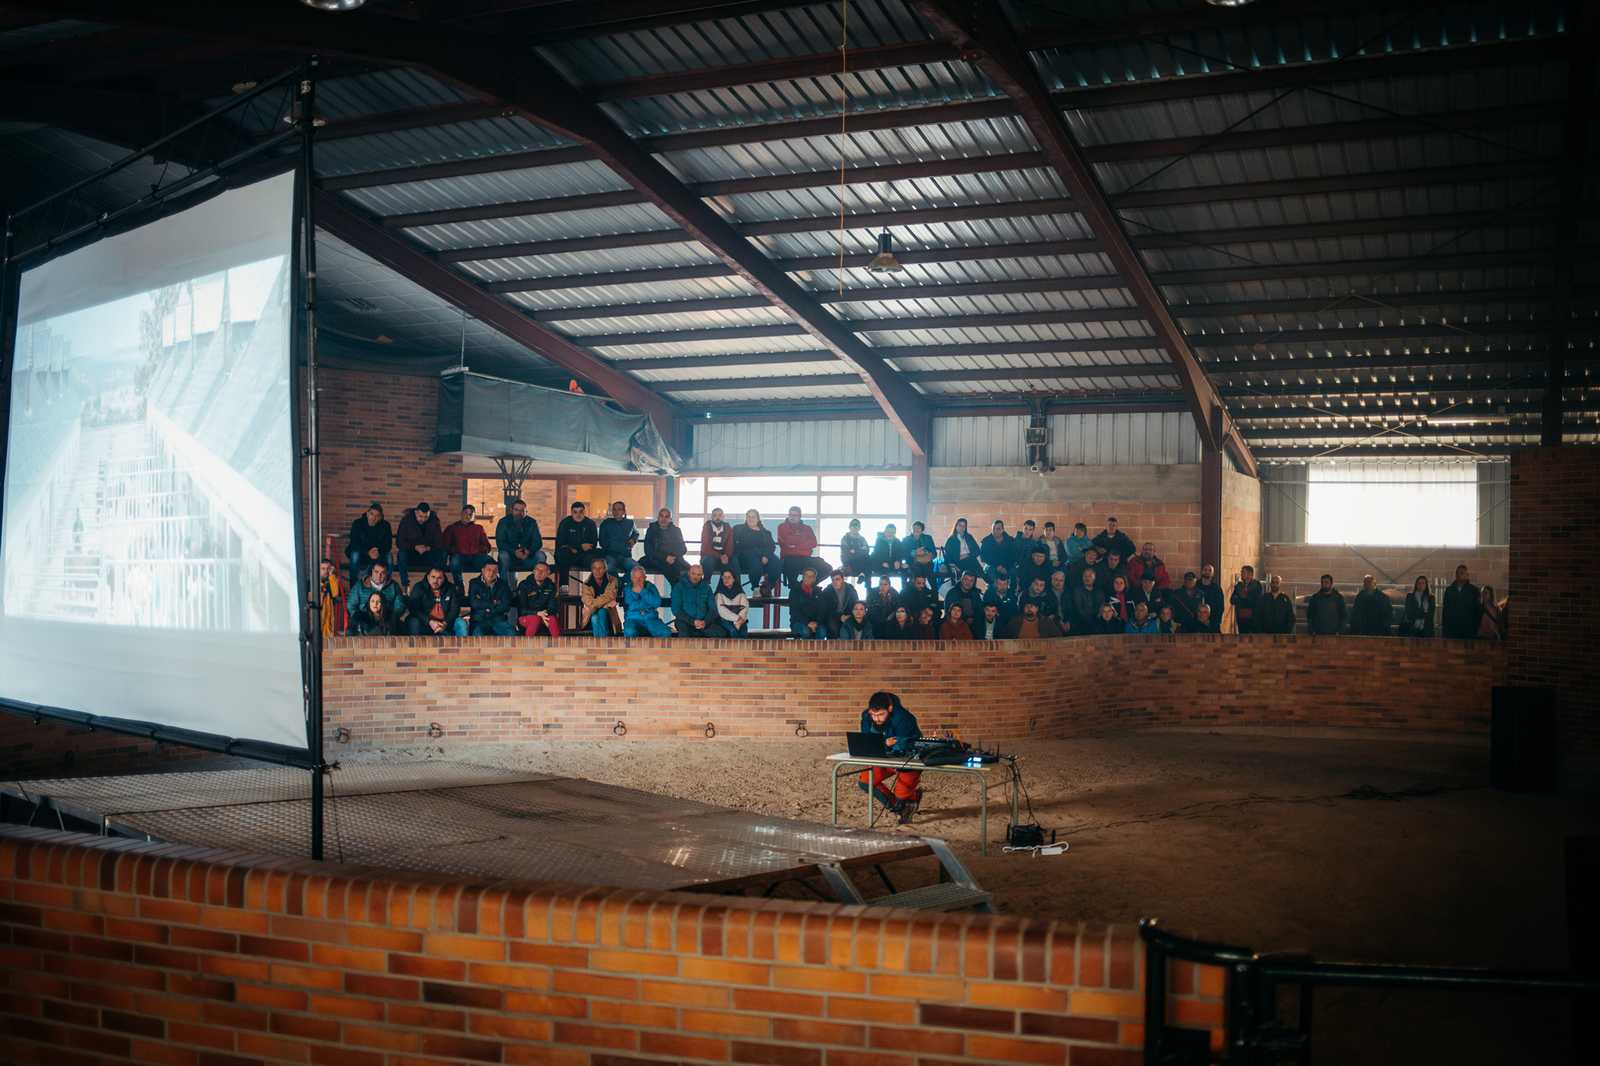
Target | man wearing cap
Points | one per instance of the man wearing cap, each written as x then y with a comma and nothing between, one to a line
1147,594
419,542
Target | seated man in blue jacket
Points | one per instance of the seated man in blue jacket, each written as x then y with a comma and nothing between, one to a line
885,714
693,613
489,597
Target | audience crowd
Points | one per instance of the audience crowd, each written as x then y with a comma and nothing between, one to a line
1028,585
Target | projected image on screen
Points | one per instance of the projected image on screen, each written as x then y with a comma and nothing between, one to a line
147,477
147,548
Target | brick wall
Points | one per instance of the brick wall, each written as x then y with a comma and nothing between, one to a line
164,954
1555,528
388,690
1241,532
1306,563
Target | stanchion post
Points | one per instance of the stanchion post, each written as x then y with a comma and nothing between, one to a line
305,97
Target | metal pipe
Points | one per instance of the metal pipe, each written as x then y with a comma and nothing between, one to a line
306,125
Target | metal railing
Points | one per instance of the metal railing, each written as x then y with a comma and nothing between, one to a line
1253,1034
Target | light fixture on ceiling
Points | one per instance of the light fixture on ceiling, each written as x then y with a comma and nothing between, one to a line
1466,419
1228,3
885,262
334,5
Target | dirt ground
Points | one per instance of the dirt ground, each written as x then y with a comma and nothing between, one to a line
1356,850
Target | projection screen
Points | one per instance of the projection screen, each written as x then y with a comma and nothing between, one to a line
148,543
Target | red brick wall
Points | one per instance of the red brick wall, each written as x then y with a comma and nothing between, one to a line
165,954
1555,540
388,690
1241,533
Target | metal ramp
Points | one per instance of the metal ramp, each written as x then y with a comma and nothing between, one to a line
956,888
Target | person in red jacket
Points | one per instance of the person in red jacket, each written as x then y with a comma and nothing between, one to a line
797,545
467,545
1147,563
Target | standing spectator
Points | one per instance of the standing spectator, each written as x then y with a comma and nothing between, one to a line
434,608
1031,625
489,599
1055,548
517,543
1147,562
855,555
418,542
882,603
1037,564
1491,622
1143,621
1077,544
1148,594
1185,603
375,618
377,580
576,540
1325,613
1086,600
1211,592
991,626
641,604
664,549
899,626
733,607
839,597
1057,604
1111,539
617,538
797,543
756,554
1246,597
1419,610
1107,624
599,594
955,628
1165,622
370,541
961,552
998,549
466,544
1371,615
927,625
335,615
918,596
1463,608
920,553
965,592
538,602
806,609
888,556
1275,612
716,543
856,625
999,595
693,613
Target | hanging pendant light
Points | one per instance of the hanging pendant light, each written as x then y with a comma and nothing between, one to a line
885,262
334,5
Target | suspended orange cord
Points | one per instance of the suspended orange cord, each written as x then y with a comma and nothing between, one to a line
844,96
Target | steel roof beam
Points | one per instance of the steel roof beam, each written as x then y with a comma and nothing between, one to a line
576,21
1392,451
1363,303
498,163
1384,391
975,374
888,325
1423,431
1002,61
1378,364
1184,19
1461,333
1334,183
828,126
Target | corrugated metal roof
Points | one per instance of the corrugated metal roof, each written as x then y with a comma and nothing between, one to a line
1075,440
432,144
475,190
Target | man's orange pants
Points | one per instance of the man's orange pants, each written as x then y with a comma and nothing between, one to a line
905,784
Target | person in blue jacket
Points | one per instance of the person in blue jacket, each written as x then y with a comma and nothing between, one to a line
618,535
641,605
693,613
887,715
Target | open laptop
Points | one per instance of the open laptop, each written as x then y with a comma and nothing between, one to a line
867,745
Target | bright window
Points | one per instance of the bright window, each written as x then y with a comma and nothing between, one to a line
826,501
1392,503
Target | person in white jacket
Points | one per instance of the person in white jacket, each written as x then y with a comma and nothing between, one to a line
733,607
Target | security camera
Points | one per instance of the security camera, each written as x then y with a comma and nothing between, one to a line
1036,468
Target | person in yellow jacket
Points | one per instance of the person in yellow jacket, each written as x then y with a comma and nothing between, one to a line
335,616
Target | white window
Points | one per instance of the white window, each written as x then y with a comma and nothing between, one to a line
826,501
1392,503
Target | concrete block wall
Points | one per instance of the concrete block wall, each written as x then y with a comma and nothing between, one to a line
139,952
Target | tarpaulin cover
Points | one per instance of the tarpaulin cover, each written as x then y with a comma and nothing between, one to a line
481,415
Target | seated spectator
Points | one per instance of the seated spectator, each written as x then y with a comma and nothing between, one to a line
664,549
1035,594
1118,599
1275,612
797,544
961,552
694,614
999,595
537,602
991,626
1142,621
1086,600
965,592
898,627
1057,604
954,627
1077,544
838,596
887,554
1107,623
1372,615
335,615
434,607
377,580
1165,623
1491,622
997,550
884,714
1211,591
920,553
1111,539
466,545
757,555
1109,570
855,555
517,543
716,544
371,540
1147,594
1055,548
856,626
1419,610
1246,600
1186,603
733,607
807,612
576,540
1204,623
926,628
489,599
920,595
1461,608
617,538
1036,565
1031,625
599,594
1325,613
641,606
1147,562
419,542
375,618
882,603
1089,560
